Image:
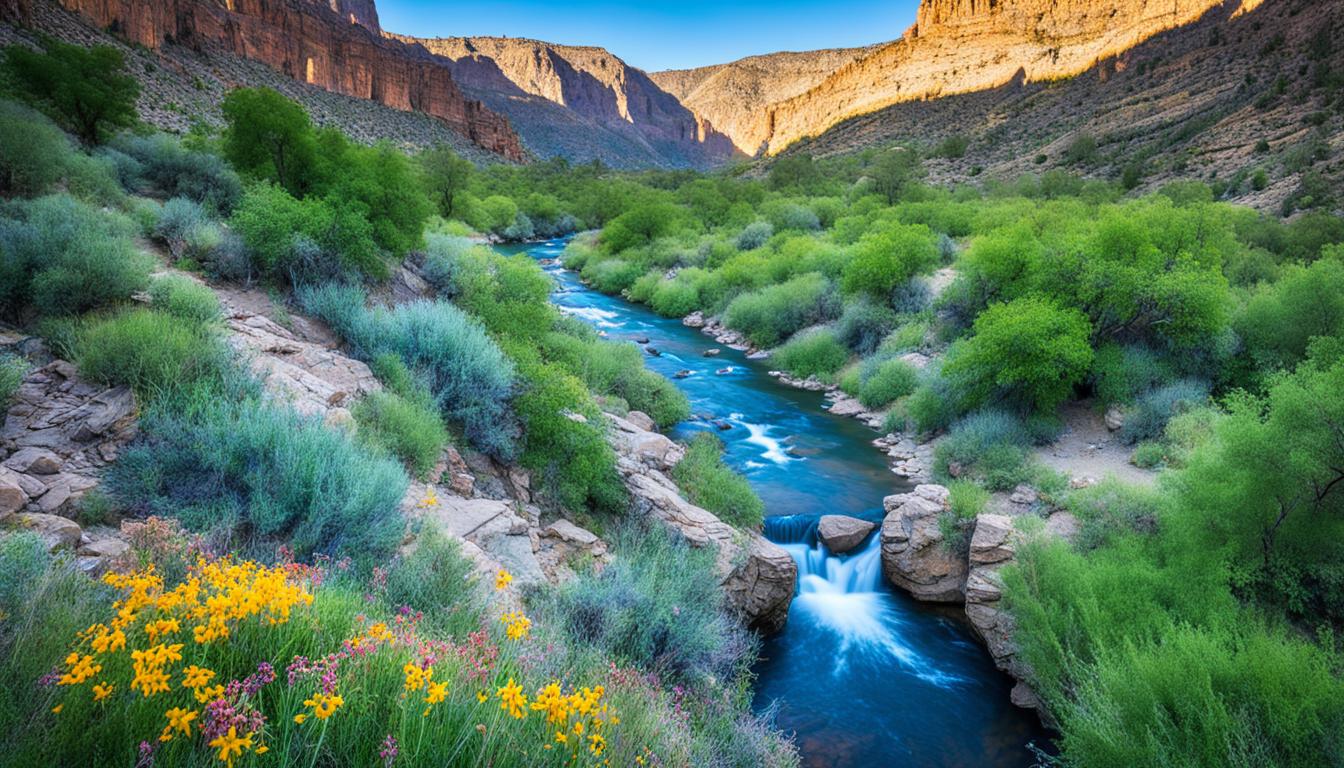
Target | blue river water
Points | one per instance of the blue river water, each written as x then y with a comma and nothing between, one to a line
862,675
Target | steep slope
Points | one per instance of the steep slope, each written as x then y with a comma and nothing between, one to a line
330,44
734,96
582,103
1250,101
963,46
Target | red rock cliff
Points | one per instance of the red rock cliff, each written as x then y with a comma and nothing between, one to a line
338,50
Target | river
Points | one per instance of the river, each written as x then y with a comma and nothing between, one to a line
862,674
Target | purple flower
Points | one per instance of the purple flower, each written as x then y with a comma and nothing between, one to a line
389,750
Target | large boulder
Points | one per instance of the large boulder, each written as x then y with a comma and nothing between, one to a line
914,556
652,449
56,532
842,533
493,526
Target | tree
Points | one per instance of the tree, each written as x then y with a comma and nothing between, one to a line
270,137
893,171
1029,351
446,174
639,226
84,89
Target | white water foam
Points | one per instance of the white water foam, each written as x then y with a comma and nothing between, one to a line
602,317
759,435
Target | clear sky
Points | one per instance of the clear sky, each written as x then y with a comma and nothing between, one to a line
662,35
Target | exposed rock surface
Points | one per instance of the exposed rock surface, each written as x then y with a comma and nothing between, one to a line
312,43
913,555
58,434
993,545
842,533
758,576
580,102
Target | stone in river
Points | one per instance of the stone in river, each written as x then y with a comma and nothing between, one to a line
725,371
712,352
641,339
653,351
723,426
683,373
841,533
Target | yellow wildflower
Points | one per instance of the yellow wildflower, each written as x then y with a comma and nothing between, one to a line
324,706
180,719
102,691
57,709
481,696
299,718
512,699
195,677
230,745
503,579
208,693
516,625
596,744
436,692
430,499
416,678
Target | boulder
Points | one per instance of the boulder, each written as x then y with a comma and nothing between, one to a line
1115,418
914,557
563,544
646,446
34,461
57,532
845,405
12,495
841,533
642,420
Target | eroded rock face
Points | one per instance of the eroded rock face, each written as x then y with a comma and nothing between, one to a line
57,436
842,533
913,555
331,45
993,545
757,575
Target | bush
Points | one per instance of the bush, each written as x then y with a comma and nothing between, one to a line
754,235
1122,374
12,370
182,225
991,446
966,501
84,87
889,381
863,325
409,429
953,146
933,405
770,315
709,483
66,257
259,475
184,298
1148,455
151,352
1028,352
1082,150
34,153
615,369
1148,418
811,353
305,241
434,578
172,170
469,377
887,258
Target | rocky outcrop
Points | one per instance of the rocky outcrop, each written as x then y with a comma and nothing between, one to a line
757,575
842,533
330,45
580,102
914,556
58,434
993,545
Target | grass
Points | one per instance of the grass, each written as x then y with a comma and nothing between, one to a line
410,429
890,380
988,446
812,353
12,370
709,483
151,352
184,298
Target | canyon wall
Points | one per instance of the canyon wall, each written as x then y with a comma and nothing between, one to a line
331,44
639,122
962,46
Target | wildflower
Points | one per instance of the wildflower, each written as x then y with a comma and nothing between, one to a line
416,677
503,579
263,749
596,744
180,719
551,701
208,693
150,682
56,710
102,691
436,692
299,718
81,669
324,706
430,499
481,696
195,677
512,699
230,745
389,751
516,625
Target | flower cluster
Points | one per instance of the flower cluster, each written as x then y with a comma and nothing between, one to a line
578,718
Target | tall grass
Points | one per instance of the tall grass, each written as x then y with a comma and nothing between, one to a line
709,483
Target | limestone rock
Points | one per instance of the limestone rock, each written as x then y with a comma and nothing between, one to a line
563,544
651,448
913,555
34,461
1115,418
642,420
841,533
12,496
844,405
57,532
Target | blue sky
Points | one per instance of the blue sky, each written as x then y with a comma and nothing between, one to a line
662,35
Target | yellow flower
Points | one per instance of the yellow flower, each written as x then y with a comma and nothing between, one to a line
503,579
416,678
102,691
150,682
81,669
180,719
263,749
551,701
512,700
57,709
481,696
430,499
516,625
208,693
324,706
230,745
436,692
194,677
299,718
596,744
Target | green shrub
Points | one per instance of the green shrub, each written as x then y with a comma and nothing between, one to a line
889,381
305,241
151,352
257,475
84,87
34,153
709,483
613,369
437,580
812,353
1148,455
611,275
470,378
933,405
966,500
1122,374
172,170
863,325
409,429
889,257
12,370
953,146
754,235
65,257
1148,418
770,315
989,446
1082,150
184,298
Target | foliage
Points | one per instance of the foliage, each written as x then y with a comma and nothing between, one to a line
305,241
886,259
12,370
151,352
1151,412
36,156
989,446
770,315
269,137
709,483
184,298
84,88
888,381
435,578
815,352
1123,373
408,428
863,325
166,166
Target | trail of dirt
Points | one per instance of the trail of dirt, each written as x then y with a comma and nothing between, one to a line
1087,449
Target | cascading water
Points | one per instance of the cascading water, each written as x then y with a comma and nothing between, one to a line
861,674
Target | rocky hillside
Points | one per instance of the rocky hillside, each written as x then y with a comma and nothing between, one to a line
1248,99
334,47
582,103
734,96
963,46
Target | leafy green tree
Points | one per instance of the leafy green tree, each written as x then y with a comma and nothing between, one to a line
639,226
270,137
446,174
1280,320
894,171
384,185
86,90
1028,351
889,257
